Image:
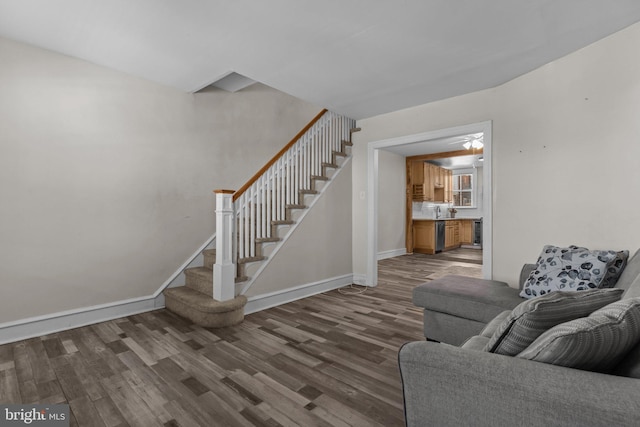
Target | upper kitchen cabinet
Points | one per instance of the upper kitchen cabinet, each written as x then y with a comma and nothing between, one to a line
430,183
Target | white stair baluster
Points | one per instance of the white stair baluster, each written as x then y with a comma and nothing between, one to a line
265,200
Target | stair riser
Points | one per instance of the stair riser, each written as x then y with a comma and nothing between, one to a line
251,269
209,260
199,283
280,230
267,248
207,313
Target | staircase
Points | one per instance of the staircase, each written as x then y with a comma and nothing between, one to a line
255,221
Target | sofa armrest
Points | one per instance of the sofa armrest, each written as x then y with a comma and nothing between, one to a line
448,386
524,273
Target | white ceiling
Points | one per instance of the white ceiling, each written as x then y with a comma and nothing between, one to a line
442,145
357,57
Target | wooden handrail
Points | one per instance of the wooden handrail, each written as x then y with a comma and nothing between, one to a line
275,158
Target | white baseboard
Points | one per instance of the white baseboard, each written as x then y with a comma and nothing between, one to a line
360,279
43,325
56,322
391,253
47,324
262,302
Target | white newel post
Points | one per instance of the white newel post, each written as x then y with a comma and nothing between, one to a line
224,270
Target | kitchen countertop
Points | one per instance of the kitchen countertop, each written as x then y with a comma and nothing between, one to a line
429,218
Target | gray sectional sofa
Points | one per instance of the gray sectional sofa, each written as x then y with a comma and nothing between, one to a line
457,382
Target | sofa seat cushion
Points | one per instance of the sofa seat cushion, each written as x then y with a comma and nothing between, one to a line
466,297
629,366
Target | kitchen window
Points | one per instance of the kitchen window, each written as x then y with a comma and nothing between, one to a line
463,191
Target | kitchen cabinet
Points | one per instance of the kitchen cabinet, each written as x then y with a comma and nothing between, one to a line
457,232
466,232
452,234
424,237
438,177
448,186
431,183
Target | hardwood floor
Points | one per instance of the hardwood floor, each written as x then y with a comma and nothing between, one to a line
328,360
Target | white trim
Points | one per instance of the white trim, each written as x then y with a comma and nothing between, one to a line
195,260
360,279
42,325
391,253
280,244
372,188
262,302
372,216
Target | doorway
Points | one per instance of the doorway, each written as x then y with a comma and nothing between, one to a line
417,141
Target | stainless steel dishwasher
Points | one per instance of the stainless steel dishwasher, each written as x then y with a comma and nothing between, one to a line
439,236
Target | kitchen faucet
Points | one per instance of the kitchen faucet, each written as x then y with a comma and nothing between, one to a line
437,209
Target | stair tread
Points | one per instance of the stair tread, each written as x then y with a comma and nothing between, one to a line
199,271
320,177
296,206
251,259
330,165
203,302
267,239
340,153
283,222
305,191
209,252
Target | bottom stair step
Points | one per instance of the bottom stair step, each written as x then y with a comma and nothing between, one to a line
203,310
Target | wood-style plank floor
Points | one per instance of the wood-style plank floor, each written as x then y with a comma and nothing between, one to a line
328,360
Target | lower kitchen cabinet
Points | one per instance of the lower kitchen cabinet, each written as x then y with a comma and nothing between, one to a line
452,235
456,233
466,232
424,237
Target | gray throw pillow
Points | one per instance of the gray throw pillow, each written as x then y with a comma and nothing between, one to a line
567,269
534,316
614,269
597,342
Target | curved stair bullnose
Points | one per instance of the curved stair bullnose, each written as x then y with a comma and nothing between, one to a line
203,310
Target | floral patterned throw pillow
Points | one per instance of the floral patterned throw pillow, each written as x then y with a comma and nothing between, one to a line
567,269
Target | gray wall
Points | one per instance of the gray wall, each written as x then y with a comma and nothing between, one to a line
566,158
106,180
392,194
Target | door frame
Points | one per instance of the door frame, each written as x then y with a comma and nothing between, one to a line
373,149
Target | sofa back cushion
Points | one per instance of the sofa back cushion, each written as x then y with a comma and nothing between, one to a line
597,342
629,279
534,316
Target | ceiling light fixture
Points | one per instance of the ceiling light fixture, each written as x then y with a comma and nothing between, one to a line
474,143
